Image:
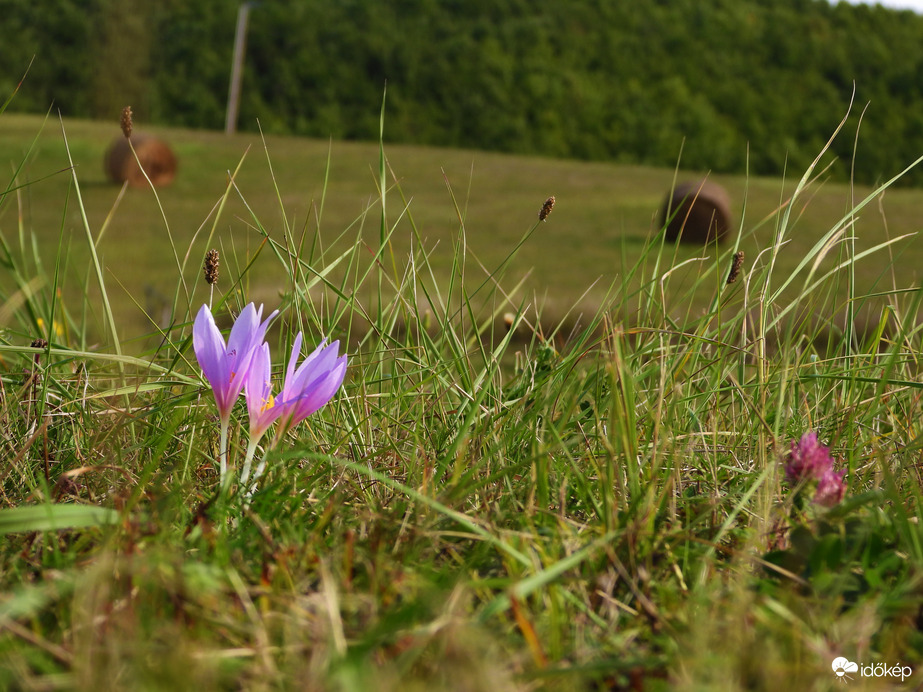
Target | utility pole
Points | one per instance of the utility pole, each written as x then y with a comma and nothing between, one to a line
237,66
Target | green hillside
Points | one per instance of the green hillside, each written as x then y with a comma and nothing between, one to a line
734,85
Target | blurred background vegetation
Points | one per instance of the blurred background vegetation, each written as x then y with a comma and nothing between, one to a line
737,85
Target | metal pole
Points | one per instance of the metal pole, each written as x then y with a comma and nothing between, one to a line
240,47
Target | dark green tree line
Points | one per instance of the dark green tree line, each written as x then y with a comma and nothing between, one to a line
734,84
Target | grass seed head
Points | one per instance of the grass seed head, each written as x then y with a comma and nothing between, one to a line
736,265
125,121
546,209
211,267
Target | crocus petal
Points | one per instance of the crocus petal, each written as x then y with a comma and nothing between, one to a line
322,360
257,383
293,359
312,384
327,377
225,366
248,332
319,392
211,353
246,336
246,324
208,345
258,391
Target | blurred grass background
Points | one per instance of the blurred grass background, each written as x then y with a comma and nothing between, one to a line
604,215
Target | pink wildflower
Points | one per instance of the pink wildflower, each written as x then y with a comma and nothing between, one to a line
830,488
808,460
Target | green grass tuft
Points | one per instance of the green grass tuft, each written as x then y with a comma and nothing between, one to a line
511,492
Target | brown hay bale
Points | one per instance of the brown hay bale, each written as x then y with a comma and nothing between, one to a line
156,157
698,212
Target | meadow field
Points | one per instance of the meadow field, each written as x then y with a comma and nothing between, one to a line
323,196
565,455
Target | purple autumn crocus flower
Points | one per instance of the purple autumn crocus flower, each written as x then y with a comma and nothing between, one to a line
225,365
306,388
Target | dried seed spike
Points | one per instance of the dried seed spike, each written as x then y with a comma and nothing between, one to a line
211,267
546,208
125,121
736,265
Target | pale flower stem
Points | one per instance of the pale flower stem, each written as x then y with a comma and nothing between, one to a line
248,493
223,451
248,460
259,470
272,445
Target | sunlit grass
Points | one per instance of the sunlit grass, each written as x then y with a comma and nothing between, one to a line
502,496
604,220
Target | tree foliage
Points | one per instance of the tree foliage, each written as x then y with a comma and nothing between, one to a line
734,85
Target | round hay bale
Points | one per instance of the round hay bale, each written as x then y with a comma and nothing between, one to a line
698,212
158,161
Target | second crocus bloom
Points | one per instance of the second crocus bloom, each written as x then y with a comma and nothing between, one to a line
306,388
